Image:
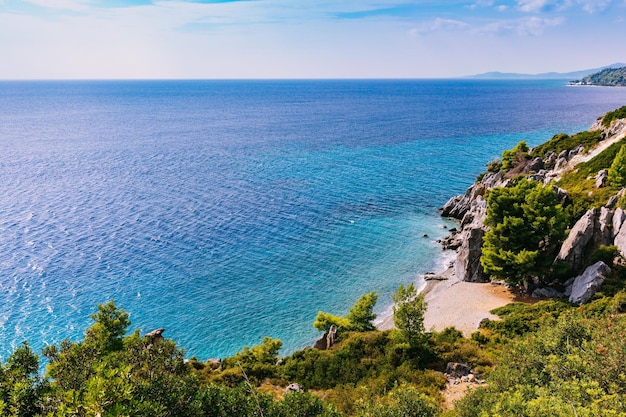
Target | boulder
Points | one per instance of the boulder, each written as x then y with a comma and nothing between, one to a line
457,370
536,165
467,265
560,163
156,335
601,178
612,202
619,230
450,207
293,388
322,342
588,283
576,244
619,216
604,235
561,195
547,292
549,159
458,206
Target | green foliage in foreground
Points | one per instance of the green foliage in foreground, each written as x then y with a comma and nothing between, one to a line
562,141
575,365
551,358
526,225
408,314
359,317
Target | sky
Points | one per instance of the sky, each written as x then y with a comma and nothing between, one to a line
258,39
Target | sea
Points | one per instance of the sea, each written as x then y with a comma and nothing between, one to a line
226,211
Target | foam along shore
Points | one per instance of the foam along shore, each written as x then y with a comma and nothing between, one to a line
452,302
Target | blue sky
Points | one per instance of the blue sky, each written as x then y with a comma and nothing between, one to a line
111,39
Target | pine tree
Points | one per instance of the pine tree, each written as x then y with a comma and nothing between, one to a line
617,172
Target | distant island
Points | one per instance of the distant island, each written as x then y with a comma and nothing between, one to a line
575,75
610,77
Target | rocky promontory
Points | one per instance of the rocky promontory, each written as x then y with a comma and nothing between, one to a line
601,226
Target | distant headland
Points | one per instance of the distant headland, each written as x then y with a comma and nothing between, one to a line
574,75
609,77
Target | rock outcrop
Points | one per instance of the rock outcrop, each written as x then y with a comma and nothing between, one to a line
579,240
467,265
601,178
599,226
470,209
588,283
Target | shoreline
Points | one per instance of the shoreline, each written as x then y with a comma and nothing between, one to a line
452,302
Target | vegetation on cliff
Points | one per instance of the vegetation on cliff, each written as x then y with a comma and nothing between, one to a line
611,77
526,223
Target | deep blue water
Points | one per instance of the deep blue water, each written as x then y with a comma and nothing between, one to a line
225,211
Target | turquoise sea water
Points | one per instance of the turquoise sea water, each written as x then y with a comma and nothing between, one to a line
227,211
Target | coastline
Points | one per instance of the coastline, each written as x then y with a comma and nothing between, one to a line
452,302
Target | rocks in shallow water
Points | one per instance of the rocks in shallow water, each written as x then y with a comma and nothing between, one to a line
588,283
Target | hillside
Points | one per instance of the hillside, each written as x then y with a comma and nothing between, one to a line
496,75
610,77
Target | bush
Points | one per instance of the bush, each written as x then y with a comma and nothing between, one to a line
513,157
614,115
617,171
526,225
359,318
605,254
494,166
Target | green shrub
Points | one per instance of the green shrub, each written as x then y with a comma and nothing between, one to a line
526,225
495,165
512,157
605,254
617,171
562,141
614,115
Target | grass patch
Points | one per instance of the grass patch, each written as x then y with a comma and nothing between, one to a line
562,141
580,184
614,115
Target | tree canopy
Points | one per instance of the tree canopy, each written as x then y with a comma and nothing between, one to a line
526,224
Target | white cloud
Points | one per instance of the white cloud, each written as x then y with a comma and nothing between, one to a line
534,6
76,5
589,6
529,26
439,24
594,6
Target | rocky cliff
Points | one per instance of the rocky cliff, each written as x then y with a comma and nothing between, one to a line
599,226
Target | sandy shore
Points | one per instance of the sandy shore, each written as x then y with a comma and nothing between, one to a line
452,302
